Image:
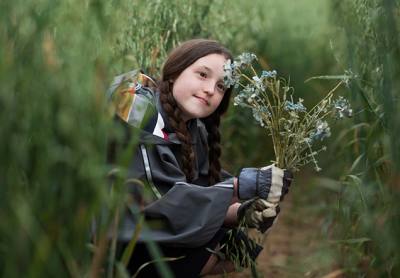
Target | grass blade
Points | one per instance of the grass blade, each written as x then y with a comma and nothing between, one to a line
126,256
254,273
368,102
156,260
355,163
380,186
358,182
366,83
329,77
353,240
334,54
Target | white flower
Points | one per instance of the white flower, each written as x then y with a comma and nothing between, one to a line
258,82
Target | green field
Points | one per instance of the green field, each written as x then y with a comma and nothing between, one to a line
57,59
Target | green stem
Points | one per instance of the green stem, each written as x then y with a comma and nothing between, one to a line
331,92
270,127
253,71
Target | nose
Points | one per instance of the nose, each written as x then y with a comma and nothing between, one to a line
209,88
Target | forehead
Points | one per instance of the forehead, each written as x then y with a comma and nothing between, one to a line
213,61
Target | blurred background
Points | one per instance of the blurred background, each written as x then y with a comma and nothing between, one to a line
57,59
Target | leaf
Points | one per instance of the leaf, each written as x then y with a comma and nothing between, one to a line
344,132
219,253
121,270
358,182
334,54
353,240
368,101
380,186
127,254
91,247
157,260
362,94
329,77
372,133
223,245
366,83
355,163
254,273
381,160
277,88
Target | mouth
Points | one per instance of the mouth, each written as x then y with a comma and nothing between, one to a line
202,100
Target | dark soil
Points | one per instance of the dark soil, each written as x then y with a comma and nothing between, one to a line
287,246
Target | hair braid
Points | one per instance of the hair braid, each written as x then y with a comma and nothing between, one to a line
176,121
212,123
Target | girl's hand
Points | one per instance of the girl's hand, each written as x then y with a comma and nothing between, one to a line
269,183
259,214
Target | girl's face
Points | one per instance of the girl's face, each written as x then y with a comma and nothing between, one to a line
199,89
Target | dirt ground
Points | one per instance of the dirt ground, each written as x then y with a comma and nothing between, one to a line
290,242
277,251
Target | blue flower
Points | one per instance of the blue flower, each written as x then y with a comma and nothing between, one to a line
289,106
243,60
341,109
346,82
258,118
264,109
322,131
253,56
268,73
231,75
295,107
247,94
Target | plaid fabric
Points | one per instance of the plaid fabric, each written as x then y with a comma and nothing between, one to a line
132,106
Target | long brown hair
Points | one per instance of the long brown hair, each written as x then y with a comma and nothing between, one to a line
181,58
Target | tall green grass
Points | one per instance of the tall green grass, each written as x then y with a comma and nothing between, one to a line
357,207
57,59
368,206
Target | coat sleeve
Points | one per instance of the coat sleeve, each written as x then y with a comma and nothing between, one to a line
192,214
188,214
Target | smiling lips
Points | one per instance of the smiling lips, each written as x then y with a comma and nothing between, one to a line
202,100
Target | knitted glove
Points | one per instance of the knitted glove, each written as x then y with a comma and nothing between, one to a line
259,214
269,183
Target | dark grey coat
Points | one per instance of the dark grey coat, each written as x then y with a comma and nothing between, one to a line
190,213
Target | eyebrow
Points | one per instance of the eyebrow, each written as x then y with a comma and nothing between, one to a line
207,68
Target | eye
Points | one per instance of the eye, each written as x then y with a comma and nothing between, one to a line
221,87
202,74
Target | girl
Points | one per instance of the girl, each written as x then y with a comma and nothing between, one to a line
195,203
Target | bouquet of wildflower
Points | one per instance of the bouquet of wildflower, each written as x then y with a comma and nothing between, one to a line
271,100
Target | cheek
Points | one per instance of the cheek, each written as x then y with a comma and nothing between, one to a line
218,102
179,88
176,92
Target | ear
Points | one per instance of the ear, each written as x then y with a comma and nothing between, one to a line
171,80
